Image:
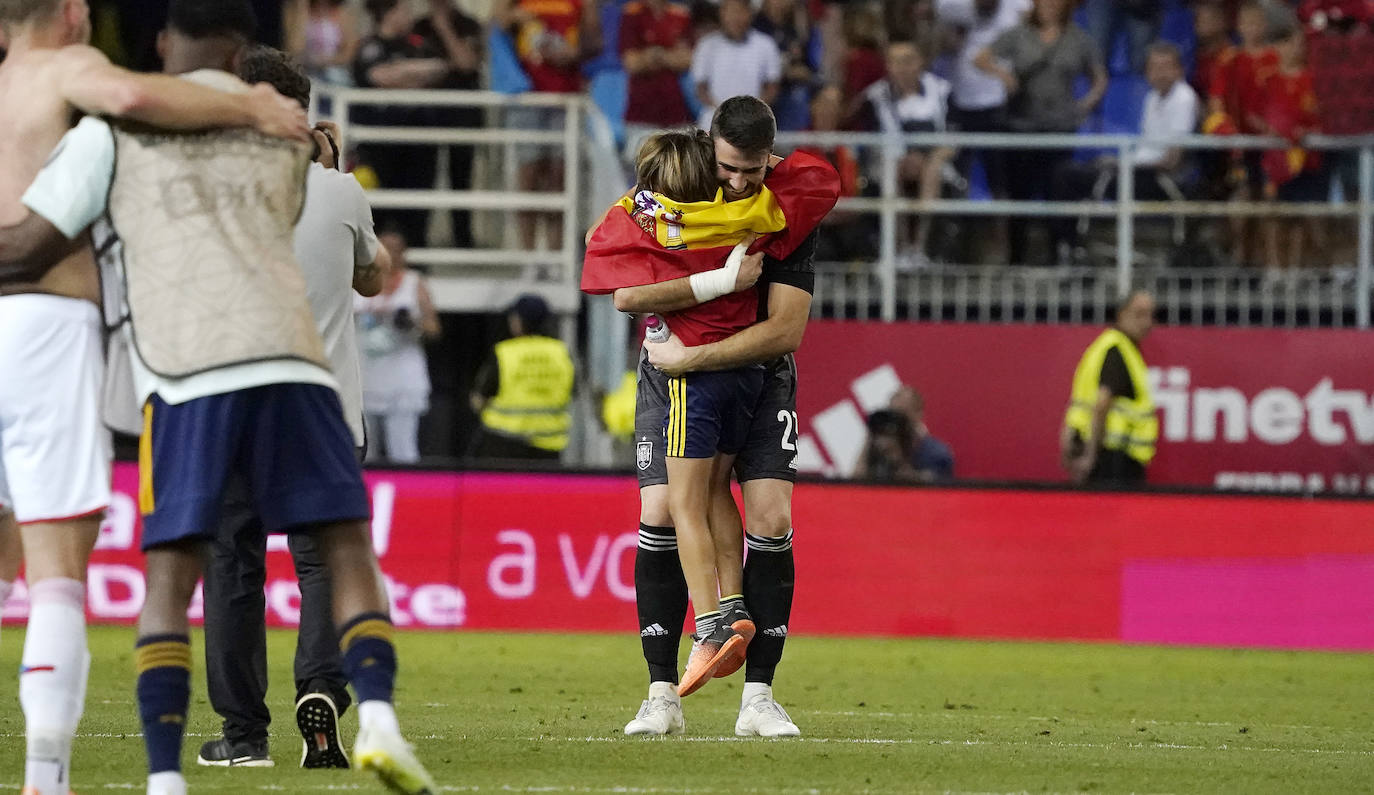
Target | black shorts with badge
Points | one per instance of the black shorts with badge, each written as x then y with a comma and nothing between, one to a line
769,450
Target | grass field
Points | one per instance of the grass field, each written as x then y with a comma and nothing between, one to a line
543,713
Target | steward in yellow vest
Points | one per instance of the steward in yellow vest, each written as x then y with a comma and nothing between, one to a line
1110,428
524,392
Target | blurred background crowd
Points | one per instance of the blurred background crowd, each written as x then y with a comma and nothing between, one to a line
1156,67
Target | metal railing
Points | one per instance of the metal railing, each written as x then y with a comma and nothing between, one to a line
481,278
1240,296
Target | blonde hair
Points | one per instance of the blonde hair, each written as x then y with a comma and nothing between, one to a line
680,164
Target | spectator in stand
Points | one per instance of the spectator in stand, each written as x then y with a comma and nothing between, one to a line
656,48
395,56
787,24
910,99
1039,61
1161,173
1140,19
448,30
1214,47
324,36
931,458
845,235
523,393
392,328
1294,174
1237,91
978,101
736,60
863,59
553,38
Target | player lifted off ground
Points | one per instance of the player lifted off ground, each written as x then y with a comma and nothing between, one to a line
233,378
742,132
742,141
56,452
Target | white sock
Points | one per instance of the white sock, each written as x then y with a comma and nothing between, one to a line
168,782
378,715
666,690
5,587
753,689
52,680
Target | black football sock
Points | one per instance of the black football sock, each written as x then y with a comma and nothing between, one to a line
769,578
661,599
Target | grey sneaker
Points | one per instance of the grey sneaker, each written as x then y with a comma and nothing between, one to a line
223,753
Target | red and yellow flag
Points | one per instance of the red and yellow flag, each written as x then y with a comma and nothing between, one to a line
649,238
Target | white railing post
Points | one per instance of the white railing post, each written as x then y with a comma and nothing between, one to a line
887,250
1125,215
1365,276
572,189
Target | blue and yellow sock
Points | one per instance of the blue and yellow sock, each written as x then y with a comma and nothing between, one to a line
164,694
368,656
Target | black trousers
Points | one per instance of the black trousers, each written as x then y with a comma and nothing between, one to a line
1115,469
235,625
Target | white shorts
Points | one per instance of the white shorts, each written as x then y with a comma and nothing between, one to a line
54,449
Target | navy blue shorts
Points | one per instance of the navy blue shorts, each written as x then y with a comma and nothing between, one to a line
711,412
288,442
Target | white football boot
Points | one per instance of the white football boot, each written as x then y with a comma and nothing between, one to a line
761,716
660,714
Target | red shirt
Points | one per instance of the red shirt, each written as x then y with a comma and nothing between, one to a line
655,98
556,26
1239,83
1290,108
862,68
1206,65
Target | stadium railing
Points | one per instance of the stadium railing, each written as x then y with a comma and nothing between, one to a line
878,290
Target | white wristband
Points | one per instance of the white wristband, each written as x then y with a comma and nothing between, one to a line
710,285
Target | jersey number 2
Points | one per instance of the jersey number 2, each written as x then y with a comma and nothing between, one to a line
789,432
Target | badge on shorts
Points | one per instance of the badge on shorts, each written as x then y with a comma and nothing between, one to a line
644,454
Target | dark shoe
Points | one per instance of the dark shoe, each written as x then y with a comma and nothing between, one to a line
318,721
223,753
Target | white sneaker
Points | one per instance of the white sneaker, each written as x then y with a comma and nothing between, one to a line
761,716
659,714
385,753
168,783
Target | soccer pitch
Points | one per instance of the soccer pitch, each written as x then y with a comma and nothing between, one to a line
543,713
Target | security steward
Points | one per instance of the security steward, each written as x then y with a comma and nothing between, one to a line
1110,428
523,393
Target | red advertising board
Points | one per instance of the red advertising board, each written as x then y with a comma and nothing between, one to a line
556,552
1240,409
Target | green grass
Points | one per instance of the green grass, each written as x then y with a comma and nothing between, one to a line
543,713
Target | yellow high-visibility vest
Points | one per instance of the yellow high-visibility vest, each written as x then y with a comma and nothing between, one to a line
534,392
1131,423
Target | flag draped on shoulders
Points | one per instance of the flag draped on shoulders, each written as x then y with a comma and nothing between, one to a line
647,238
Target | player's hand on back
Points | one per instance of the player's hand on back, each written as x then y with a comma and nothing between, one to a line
748,267
276,115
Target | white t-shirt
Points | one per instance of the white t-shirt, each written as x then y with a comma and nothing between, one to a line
732,68
975,89
70,192
333,236
1166,116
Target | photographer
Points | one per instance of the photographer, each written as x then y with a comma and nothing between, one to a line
392,327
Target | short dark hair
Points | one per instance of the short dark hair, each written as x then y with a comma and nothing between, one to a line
204,19
745,123
263,64
17,12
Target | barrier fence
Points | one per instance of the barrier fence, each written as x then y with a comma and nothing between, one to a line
476,550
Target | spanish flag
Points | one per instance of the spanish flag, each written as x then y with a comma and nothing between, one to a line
648,238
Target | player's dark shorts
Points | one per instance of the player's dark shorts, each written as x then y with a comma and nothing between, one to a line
710,412
769,446
288,442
